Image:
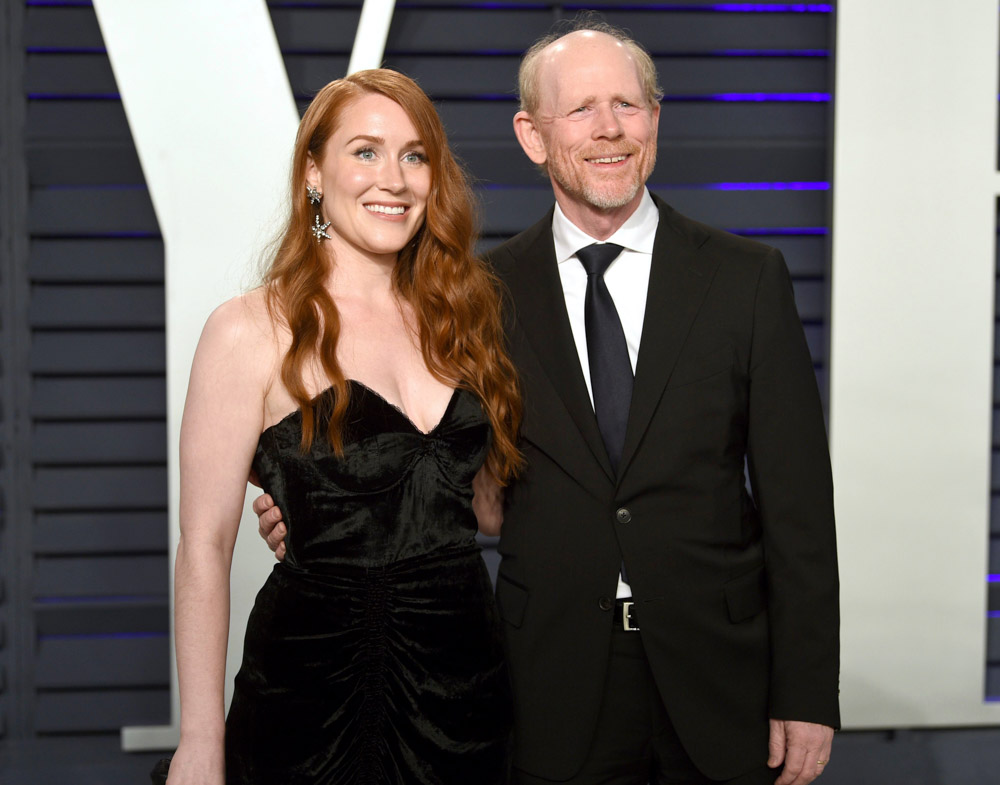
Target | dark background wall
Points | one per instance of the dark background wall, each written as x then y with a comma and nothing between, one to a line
744,145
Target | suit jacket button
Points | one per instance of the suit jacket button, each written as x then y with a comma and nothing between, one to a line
623,515
605,603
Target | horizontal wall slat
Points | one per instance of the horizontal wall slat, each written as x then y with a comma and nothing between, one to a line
103,662
90,163
69,74
92,351
97,306
117,260
111,616
700,31
482,74
99,443
805,256
99,398
103,710
700,121
97,533
317,29
509,210
47,121
681,163
88,211
100,488
95,576
67,26
661,31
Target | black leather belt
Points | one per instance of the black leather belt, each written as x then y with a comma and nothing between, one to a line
625,615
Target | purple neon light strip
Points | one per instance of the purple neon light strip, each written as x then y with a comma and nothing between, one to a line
74,96
792,186
757,97
727,8
110,598
993,614
85,636
789,186
65,50
993,578
782,231
100,187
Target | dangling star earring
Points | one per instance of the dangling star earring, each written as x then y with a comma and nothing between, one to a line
315,197
319,230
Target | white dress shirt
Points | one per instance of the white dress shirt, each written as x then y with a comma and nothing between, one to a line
627,279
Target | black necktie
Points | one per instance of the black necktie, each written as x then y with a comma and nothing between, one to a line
610,369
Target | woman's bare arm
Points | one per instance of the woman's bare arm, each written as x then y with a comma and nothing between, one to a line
221,425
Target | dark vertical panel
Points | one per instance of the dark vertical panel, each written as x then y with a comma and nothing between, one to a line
993,567
92,320
16,622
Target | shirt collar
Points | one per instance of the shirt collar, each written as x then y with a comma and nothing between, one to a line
636,234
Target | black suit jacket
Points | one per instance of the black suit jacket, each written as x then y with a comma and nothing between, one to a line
737,597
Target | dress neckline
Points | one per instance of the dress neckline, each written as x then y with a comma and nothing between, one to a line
385,401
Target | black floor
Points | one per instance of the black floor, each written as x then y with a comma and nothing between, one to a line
919,757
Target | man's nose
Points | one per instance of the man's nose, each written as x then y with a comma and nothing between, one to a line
608,124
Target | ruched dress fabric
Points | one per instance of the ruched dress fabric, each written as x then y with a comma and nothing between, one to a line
373,653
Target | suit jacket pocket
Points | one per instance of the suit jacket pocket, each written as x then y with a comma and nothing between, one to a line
701,368
512,598
746,596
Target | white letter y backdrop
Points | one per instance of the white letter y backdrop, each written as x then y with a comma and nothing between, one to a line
213,120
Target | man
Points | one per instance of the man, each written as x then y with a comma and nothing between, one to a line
632,511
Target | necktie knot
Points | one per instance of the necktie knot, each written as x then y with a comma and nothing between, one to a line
596,258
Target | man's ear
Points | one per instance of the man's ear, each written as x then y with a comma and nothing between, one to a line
529,137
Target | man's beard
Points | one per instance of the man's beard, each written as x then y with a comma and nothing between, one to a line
608,194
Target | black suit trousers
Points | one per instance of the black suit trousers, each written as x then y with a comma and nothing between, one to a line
635,742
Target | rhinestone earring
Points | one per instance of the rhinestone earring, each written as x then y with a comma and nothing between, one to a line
315,197
319,230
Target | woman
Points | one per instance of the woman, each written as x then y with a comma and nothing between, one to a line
365,383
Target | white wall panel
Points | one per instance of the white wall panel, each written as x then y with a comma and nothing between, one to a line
911,357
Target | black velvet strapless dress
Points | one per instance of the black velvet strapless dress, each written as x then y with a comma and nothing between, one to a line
373,653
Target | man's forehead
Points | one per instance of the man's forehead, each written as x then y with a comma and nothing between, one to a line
597,71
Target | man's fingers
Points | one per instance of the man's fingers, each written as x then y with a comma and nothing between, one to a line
276,537
795,762
776,744
262,503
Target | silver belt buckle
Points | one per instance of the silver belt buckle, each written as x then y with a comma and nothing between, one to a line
627,617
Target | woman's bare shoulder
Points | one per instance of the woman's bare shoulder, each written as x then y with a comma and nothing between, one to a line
241,332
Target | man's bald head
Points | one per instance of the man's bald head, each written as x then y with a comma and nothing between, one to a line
528,74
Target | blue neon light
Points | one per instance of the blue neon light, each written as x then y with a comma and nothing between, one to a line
65,50
74,96
993,614
82,636
739,8
792,186
993,578
783,231
97,187
110,598
787,97
787,186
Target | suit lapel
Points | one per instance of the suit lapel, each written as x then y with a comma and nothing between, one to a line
679,279
541,313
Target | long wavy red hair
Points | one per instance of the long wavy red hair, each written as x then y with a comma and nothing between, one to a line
454,295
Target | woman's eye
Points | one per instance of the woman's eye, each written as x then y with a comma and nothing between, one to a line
414,158
366,155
